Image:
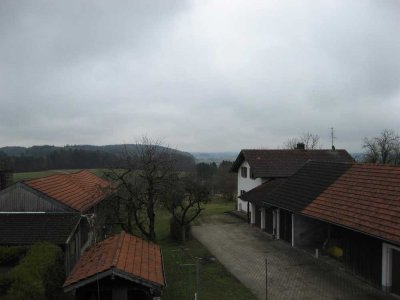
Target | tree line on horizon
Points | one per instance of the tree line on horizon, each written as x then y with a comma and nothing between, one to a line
40,158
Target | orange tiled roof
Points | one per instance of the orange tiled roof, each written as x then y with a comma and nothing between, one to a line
79,191
124,253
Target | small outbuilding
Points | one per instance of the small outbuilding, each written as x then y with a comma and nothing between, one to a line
122,267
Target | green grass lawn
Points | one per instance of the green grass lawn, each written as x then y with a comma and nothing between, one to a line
215,281
34,175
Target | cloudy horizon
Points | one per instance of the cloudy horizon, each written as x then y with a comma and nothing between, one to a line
202,75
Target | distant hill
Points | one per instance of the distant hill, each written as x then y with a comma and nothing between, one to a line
217,157
39,151
38,158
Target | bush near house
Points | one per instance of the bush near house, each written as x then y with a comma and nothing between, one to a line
8,255
39,275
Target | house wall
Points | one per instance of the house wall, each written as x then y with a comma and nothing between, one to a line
78,242
18,198
245,184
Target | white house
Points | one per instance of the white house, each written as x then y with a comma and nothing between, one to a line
257,166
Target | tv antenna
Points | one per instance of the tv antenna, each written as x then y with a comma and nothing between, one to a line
333,137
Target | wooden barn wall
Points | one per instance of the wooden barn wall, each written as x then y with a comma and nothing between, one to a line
361,253
18,198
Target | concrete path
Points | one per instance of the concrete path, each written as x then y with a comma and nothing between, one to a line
292,273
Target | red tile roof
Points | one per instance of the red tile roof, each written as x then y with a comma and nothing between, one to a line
284,163
362,197
79,191
131,255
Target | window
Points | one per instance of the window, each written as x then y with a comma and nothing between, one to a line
243,171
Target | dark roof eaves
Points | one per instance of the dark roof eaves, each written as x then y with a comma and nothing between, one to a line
87,280
237,163
109,272
340,225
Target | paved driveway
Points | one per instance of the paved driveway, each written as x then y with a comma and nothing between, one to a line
292,273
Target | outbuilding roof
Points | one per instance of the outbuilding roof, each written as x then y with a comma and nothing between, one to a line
80,190
256,195
29,228
362,197
284,163
122,255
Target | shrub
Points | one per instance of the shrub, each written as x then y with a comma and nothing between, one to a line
10,255
39,275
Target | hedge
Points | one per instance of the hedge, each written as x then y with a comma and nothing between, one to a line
38,276
9,255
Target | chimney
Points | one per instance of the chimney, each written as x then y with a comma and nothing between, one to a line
301,146
6,179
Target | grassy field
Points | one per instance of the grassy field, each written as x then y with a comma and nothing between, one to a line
33,175
215,281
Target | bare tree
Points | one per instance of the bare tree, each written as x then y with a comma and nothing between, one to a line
310,141
186,201
142,176
384,149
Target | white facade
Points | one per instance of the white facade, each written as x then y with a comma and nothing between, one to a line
245,184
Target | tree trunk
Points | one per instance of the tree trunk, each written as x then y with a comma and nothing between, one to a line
183,232
152,216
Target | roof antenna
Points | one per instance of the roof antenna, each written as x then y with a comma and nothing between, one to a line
332,138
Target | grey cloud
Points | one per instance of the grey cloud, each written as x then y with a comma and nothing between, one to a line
204,75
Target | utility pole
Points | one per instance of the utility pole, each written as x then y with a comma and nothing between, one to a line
332,138
197,295
266,279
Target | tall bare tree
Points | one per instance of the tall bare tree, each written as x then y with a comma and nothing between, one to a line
310,141
384,149
142,176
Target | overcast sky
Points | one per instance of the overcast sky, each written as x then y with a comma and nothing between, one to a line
202,75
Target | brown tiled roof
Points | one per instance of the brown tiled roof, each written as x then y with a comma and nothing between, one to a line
122,254
79,191
257,194
362,197
284,163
